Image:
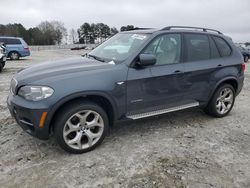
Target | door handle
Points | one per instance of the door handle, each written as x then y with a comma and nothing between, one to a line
178,72
220,65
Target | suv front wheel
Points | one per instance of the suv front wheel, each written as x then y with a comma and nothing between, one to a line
81,127
222,101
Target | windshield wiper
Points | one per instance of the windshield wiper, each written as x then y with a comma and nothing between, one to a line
95,57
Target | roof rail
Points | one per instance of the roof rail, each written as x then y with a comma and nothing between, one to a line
140,28
187,27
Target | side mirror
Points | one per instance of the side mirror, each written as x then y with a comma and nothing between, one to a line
146,60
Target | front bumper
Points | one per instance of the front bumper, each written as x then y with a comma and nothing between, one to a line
27,117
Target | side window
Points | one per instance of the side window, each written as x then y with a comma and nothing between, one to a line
223,47
197,47
3,40
13,41
7,41
166,48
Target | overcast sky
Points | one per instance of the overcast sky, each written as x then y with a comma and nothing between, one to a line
232,17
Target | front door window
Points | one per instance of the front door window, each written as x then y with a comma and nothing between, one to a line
166,48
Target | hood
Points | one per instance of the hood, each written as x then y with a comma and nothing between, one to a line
60,67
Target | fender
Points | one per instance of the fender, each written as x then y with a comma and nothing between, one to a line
219,82
77,95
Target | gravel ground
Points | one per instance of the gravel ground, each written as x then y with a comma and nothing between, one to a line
180,149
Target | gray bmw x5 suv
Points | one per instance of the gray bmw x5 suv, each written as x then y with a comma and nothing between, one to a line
133,75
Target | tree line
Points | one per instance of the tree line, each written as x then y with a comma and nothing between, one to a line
92,33
46,33
54,32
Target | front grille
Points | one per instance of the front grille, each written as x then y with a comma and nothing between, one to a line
13,86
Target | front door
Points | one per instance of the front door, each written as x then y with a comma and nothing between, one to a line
161,85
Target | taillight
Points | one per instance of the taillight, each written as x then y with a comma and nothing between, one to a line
243,67
27,49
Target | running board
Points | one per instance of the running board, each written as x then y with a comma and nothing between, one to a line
162,111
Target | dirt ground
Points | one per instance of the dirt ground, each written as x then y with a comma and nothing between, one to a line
180,149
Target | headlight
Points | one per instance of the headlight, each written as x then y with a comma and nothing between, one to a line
35,93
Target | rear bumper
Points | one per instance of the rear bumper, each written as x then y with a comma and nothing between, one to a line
240,84
27,118
25,53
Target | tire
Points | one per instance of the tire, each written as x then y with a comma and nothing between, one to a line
223,98
14,55
1,67
3,63
246,58
76,128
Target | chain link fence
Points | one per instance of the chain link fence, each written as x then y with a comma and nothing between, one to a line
66,46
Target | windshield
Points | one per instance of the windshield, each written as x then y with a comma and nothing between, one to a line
119,47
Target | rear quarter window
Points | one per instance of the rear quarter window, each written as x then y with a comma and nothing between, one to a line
224,48
25,45
214,50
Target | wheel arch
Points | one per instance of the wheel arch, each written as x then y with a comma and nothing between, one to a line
12,52
101,99
228,80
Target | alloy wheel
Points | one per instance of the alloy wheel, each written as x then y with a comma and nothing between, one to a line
14,56
83,129
225,101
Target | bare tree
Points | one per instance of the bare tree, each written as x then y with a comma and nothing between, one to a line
53,32
73,36
60,30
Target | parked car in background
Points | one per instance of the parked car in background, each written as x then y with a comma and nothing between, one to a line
78,48
15,47
133,75
245,52
2,56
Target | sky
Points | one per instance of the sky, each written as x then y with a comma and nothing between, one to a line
231,17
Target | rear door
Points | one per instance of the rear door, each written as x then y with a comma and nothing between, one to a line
13,44
201,61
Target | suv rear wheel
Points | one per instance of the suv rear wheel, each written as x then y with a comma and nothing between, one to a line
81,127
222,101
14,55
